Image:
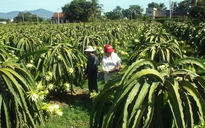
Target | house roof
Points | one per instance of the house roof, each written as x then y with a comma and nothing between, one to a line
55,15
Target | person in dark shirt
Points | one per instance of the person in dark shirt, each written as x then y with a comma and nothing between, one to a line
91,71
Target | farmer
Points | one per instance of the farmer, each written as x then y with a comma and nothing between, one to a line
91,70
111,62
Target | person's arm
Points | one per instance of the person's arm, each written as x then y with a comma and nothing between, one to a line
86,73
115,69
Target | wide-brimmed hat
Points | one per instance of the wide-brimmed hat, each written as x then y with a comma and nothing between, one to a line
89,49
108,48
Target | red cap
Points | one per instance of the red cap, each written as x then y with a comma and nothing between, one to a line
108,48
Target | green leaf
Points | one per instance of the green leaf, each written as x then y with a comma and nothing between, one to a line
165,98
151,102
201,82
129,100
190,88
5,121
40,51
19,91
137,110
189,118
120,95
154,75
175,103
190,60
99,104
135,67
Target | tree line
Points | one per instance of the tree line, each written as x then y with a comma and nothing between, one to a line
83,11
28,17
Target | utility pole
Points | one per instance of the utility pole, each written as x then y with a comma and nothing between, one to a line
37,18
170,10
58,15
23,17
131,14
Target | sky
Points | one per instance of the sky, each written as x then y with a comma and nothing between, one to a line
56,5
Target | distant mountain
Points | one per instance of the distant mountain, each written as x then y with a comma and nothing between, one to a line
40,12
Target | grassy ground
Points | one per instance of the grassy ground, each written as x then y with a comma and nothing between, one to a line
76,108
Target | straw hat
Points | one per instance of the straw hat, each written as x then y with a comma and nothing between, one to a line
89,49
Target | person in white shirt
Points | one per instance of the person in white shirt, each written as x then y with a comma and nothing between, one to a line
111,62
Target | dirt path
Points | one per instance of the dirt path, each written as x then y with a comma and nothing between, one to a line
68,98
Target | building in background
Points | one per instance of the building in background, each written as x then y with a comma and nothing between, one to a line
154,13
58,18
2,22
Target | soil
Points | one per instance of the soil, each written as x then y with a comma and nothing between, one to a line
68,98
